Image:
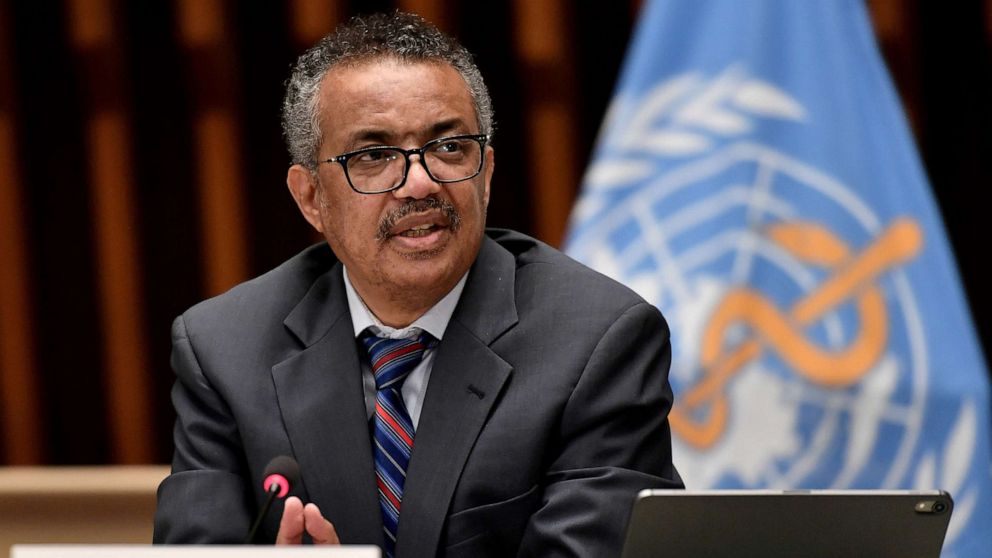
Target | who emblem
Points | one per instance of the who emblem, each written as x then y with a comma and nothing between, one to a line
800,358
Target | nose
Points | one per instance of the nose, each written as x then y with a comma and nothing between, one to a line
418,183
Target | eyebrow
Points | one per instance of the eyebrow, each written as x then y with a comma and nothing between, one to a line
445,126
369,135
385,137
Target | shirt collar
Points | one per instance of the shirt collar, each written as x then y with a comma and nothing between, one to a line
434,321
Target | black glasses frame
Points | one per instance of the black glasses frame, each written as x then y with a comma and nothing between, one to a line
343,158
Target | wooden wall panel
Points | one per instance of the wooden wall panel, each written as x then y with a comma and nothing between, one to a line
98,49
988,22
212,76
312,19
19,401
18,386
542,37
433,11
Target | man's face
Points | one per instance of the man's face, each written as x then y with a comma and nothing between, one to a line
414,243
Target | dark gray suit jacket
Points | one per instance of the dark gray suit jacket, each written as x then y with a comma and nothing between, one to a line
546,410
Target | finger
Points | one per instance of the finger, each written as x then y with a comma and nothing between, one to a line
291,524
320,529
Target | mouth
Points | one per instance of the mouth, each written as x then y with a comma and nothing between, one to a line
419,221
418,226
419,236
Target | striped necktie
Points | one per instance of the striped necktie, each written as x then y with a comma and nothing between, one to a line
392,361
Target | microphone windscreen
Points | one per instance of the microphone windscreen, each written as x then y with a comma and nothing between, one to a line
285,467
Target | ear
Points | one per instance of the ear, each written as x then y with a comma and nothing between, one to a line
303,186
490,166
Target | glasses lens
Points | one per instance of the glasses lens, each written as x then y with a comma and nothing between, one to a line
454,159
376,170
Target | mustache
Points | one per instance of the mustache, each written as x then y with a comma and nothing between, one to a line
424,205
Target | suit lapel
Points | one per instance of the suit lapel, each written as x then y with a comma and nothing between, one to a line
465,381
323,408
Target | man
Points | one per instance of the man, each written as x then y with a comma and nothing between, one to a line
522,400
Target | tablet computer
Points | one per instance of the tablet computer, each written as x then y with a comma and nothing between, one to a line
769,524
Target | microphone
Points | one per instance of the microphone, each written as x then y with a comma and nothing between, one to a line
278,479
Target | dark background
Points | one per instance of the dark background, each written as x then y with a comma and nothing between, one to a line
142,169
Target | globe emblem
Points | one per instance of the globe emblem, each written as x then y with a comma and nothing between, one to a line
721,225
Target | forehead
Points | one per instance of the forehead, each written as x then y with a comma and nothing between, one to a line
394,98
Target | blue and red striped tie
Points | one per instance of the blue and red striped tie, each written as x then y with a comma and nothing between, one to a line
392,361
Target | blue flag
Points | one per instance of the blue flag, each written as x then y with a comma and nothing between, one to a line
756,180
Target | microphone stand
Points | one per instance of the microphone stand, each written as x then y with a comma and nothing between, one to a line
274,489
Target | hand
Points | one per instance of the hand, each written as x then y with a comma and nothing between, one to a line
297,518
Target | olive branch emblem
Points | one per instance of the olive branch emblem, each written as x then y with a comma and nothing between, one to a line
683,116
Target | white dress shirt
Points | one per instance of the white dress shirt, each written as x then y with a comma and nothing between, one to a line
434,321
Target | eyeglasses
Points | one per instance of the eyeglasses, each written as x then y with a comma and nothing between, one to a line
375,170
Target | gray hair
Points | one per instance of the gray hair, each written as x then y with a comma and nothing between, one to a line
403,36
